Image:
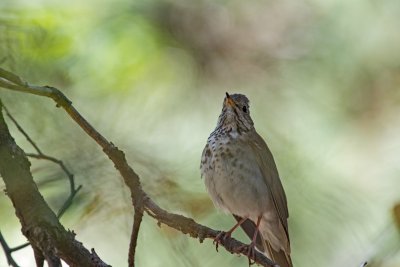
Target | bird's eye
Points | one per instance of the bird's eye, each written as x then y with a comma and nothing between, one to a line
244,109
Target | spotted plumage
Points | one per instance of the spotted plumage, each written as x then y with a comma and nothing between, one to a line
242,179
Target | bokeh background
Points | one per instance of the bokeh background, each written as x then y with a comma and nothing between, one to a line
323,80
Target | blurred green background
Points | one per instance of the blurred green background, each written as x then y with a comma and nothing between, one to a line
323,79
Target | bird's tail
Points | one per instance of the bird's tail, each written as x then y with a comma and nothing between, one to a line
280,257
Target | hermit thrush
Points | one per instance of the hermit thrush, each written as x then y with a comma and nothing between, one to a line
242,179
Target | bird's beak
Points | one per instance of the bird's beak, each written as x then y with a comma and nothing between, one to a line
229,101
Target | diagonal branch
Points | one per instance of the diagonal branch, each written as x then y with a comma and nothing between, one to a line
39,223
41,155
131,179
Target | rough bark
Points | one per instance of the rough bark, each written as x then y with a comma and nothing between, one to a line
39,223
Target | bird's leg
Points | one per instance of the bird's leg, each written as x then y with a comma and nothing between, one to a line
251,253
222,235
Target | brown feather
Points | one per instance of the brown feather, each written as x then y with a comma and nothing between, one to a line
270,173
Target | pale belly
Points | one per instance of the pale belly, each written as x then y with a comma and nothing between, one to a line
236,184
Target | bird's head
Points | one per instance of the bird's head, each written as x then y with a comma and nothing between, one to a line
235,113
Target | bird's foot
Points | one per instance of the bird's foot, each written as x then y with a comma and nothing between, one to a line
240,249
249,250
251,253
220,237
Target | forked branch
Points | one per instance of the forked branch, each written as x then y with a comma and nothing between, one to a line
140,200
49,239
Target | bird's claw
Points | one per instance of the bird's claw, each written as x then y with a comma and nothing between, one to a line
249,250
219,238
251,253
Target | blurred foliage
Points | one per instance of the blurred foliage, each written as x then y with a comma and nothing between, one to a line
323,80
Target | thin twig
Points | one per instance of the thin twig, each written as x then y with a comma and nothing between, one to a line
137,220
11,77
19,247
131,179
58,162
22,130
7,251
68,202
41,155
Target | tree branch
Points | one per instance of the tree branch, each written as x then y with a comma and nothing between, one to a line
41,155
39,224
137,220
67,203
131,179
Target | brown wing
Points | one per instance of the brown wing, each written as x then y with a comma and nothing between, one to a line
271,177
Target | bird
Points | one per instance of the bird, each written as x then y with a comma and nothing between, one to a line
242,179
